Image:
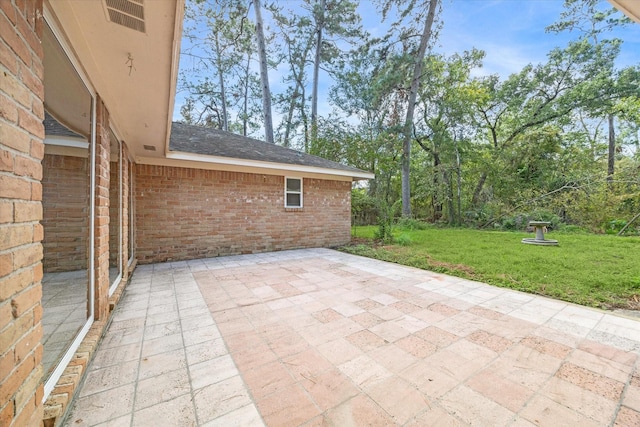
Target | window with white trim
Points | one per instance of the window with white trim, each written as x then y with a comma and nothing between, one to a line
292,192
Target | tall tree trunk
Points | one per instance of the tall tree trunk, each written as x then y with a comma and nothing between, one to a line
459,182
436,203
316,73
245,103
264,75
413,94
223,93
612,151
475,200
450,204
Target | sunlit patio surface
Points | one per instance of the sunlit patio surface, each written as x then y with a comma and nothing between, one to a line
317,337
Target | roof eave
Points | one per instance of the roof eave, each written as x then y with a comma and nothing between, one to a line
230,161
631,9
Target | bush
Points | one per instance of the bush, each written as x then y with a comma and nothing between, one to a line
404,240
411,224
363,207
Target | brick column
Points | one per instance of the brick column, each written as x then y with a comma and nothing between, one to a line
101,228
21,151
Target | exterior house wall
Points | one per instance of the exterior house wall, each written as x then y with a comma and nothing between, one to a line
21,151
62,393
192,213
65,190
101,221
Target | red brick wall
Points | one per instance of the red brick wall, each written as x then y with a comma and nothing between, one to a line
65,188
192,213
114,212
101,223
21,150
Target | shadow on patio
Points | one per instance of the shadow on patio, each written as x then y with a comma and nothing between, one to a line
318,337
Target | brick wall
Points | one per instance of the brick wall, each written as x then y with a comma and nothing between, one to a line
65,189
21,150
192,213
101,222
114,212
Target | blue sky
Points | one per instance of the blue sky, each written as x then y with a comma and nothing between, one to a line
511,32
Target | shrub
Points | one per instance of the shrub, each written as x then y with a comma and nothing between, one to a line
404,240
412,224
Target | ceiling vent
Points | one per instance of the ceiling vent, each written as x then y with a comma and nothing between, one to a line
128,13
149,147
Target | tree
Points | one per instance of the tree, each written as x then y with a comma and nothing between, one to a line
216,73
315,33
585,16
264,74
445,122
573,78
332,19
405,32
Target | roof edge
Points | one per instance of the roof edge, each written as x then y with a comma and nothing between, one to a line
635,16
231,161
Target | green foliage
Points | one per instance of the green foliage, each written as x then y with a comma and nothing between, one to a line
614,226
404,239
411,224
595,270
384,232
363,207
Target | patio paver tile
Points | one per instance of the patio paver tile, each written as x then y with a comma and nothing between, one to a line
627,417
359,411
476,409
267,379
221,398
330,388
581,400
364,371
436,416
366,340
398,398
161,388
100,407
339,351
509,394
98,380
288,406
161,363
212,371
543,411
247,416
632,397
589,380
206,350
316,337
307,365
392,357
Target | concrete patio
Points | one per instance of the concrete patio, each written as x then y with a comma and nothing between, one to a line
317,337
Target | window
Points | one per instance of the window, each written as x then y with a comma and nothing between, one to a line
293,193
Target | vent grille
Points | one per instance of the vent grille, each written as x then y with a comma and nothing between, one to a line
128,13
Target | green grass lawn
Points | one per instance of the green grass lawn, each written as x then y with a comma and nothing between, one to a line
595,270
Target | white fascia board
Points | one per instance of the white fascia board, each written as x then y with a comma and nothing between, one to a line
66,141
177,155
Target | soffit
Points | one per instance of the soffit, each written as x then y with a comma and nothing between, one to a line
631,8
133,72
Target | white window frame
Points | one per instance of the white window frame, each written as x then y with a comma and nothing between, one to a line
286,192
51,382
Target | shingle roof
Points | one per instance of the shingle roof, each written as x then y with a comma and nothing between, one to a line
214,142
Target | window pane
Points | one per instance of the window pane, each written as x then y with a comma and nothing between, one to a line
293,184
293,200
